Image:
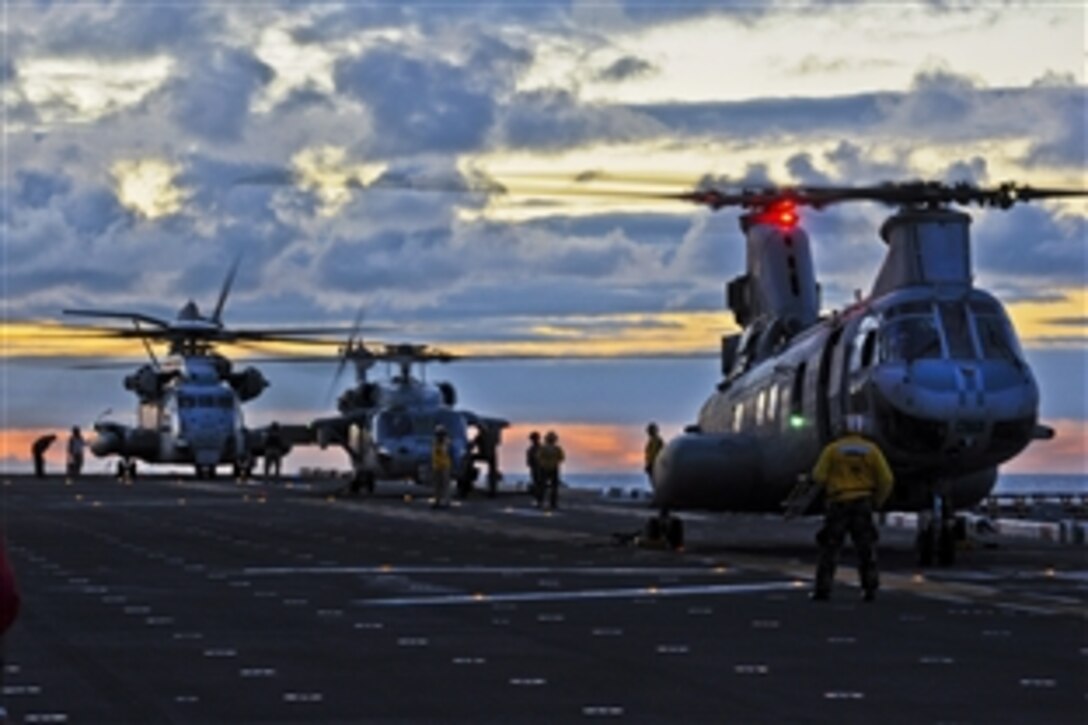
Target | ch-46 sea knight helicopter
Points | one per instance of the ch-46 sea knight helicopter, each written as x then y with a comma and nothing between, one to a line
387,426
189,409
928,362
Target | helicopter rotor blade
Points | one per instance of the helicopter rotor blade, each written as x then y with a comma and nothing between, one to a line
163,324
217,313
147,346
351,350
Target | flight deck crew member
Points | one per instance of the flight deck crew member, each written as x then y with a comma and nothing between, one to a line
532,462
38,449
486,447
549,458
654,444
273,451
441,463
856,478
76,444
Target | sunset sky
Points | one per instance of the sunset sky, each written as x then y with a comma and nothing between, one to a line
149,144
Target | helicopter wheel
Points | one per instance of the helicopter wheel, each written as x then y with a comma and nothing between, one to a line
946,544
674,532
362,480
923,545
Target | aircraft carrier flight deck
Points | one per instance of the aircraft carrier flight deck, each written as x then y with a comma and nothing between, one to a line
175,600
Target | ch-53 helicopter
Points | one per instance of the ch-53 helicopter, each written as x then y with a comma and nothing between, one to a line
387,426
189,408
929,364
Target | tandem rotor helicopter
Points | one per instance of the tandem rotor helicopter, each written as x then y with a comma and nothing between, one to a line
387,426
928,362
189,403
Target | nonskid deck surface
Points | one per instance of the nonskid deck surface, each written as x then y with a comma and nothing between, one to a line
180,601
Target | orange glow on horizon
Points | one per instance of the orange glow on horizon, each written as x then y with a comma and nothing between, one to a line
1066,452
589,447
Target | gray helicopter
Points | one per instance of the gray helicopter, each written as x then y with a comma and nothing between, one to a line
928,362
189,403
387,426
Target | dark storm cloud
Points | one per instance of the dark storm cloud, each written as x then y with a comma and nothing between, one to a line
35,190
419,105
212,96
1067,146
765,117
93,211
803,170
554,118
1032,242
390,261
626,68
87,281
498,298
657,229
118,30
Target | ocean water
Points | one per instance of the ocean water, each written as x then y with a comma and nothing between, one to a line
1008,484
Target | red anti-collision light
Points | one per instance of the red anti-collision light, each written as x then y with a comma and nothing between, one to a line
783,214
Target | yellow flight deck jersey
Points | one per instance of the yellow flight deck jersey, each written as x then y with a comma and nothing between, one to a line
549,457
440,455
853,467
653,447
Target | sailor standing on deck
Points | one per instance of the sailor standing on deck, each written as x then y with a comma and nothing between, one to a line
856,479
536,485
654,444
76,444
550,458
441,463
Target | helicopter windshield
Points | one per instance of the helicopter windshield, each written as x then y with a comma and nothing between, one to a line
188,401
921,330
401,423
995,335
910,338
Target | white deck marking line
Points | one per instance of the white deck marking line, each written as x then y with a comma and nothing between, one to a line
535,570
621,593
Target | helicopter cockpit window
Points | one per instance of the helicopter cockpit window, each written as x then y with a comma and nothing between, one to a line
864,347
393,424
957,332
996,337
910,338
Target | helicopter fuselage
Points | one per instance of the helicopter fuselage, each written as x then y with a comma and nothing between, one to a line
187,414
388,428
928,363
946,403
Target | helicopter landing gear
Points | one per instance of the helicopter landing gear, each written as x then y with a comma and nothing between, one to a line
937,534
360,481
126,470
663,531
493,478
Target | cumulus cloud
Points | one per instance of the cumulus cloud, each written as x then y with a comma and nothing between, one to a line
553,118
422,103
212,98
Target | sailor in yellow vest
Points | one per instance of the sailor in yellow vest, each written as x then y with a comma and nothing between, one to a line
856,479
441,463
549,458
654,444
